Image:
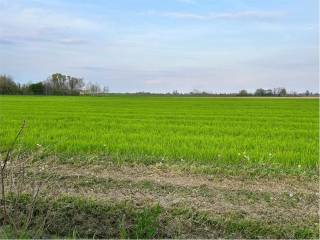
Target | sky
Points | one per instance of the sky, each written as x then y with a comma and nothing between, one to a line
164,45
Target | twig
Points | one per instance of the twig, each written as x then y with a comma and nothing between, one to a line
3,168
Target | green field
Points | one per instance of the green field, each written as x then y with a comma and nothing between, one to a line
168,129
161,167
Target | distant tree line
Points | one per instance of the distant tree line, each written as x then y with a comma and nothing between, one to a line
279,92
242,93
56,84
260,92
276,92
60,84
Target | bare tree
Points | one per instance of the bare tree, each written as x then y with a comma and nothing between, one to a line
74,84
281,92
92,88
105,89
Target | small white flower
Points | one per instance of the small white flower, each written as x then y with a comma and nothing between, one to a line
290,194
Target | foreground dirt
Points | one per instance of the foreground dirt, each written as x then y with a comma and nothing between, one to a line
286,201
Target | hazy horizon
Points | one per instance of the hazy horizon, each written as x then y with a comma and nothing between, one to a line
160,46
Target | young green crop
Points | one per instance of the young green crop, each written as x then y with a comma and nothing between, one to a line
175,129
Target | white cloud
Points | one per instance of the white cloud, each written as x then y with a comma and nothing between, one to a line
20,24
223,15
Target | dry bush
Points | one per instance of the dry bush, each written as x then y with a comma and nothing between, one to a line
23,186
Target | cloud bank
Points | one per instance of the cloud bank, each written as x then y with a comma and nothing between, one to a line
253,15
181,44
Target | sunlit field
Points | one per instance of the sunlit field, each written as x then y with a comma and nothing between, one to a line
168,129
168,119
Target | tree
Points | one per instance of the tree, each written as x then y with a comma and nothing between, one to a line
175,92
74,84
105,89
268,92
92,88
59,84
59,81
56,84
243,92
283,92
259,92
195,92
307,93
7,85
280,92
37,88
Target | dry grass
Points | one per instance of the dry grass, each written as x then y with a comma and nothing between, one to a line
284,201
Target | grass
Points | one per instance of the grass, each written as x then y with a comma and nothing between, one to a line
191,130
79,218
164,167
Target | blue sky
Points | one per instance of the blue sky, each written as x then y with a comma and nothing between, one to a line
163,45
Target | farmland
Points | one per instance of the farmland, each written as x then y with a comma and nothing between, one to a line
196,130
186,159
